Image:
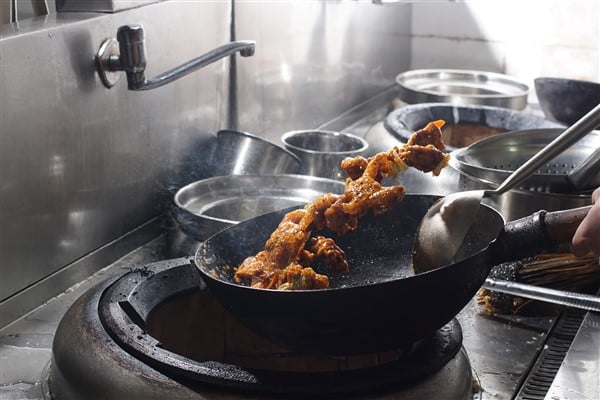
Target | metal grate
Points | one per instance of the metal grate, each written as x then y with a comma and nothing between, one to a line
537,383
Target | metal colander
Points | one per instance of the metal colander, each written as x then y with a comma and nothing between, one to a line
493,159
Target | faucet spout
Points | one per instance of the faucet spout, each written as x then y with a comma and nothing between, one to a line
131,58
244,47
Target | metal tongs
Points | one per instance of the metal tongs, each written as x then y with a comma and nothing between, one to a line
570,299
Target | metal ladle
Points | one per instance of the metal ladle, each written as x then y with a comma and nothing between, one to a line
447,222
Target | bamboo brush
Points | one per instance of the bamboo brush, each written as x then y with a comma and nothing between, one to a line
557,271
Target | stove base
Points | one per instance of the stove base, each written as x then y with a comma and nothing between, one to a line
91,365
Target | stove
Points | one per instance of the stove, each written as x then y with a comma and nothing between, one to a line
143,327
157,331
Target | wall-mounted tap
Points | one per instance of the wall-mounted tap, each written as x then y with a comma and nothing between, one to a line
128,53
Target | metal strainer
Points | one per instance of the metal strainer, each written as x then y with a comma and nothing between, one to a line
493,159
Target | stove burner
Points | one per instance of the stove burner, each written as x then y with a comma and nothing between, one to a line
207,345
153,360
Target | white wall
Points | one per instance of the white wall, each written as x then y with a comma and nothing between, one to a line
521,38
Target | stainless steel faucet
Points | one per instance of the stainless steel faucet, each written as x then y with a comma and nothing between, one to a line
128,53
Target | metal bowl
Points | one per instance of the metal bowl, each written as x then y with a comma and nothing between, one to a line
240,153
322,151
495,158
518,203
462,87
205,207
403,121
566,100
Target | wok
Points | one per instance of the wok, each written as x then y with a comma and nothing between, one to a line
380,304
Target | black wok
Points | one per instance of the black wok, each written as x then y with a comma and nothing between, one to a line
380,304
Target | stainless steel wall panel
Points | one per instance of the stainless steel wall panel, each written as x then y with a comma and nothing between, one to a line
82,167
315,60
99,5
80,164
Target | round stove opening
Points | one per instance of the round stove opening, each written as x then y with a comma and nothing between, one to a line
195,325
161,319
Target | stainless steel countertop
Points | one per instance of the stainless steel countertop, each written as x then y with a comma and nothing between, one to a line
579,375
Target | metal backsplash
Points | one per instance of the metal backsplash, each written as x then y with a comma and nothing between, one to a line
315,60
82,165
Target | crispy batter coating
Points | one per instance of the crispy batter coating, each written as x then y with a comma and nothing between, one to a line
420,151
285,261
429,135
330,252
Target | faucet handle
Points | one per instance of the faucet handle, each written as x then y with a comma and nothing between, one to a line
125,53
132,47
133,54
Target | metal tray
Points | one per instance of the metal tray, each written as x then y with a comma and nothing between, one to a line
462,87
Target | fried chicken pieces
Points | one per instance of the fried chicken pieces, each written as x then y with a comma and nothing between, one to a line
284,263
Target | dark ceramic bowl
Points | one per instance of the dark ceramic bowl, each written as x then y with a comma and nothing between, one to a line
566,100
465,124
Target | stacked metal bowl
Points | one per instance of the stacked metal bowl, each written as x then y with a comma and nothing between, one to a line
252,177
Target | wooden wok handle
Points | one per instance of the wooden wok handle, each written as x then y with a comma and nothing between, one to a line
539,232
561,225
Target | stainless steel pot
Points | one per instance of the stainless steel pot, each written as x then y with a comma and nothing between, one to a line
493,159
513,204
240,153
517,203
322,151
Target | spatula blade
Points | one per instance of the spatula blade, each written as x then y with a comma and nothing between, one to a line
444,228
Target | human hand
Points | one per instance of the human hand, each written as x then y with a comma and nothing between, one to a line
587,237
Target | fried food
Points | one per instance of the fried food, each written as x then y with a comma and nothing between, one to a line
286,259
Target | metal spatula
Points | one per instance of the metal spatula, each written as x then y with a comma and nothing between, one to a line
447,222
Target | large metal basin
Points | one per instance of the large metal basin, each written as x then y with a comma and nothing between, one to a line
205,207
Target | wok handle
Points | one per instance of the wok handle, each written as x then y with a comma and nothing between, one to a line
561,225
536,233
